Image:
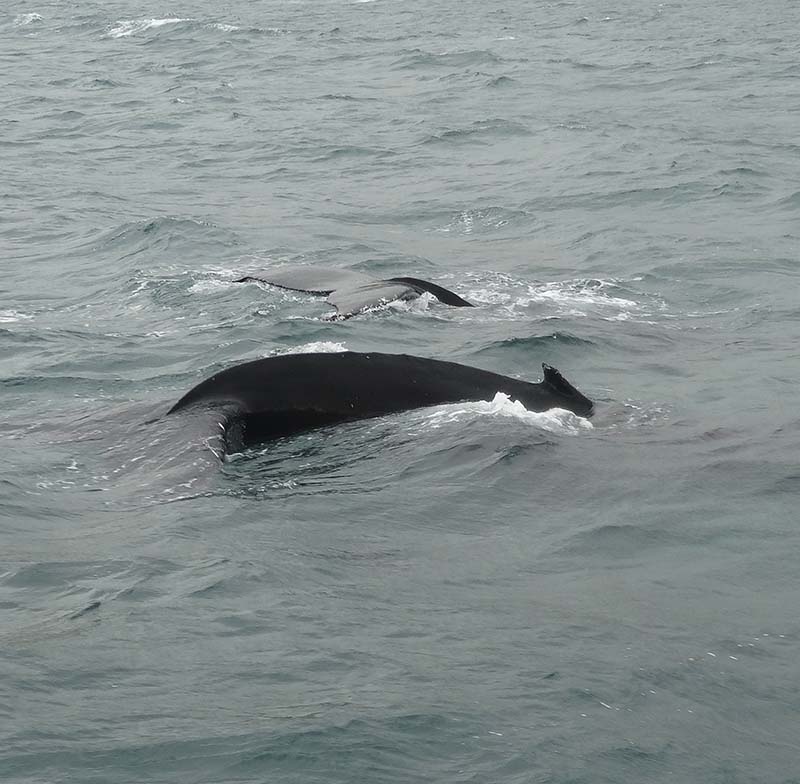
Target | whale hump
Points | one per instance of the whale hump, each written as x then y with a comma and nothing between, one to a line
351,292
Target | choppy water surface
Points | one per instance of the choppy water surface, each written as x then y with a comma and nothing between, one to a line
469,593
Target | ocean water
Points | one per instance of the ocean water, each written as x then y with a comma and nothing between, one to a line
473,593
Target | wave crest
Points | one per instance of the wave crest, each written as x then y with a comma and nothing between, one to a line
128,27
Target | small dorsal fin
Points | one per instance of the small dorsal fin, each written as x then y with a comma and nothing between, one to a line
554,378
559,384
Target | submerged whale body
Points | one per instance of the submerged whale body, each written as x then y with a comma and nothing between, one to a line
351,292
268,398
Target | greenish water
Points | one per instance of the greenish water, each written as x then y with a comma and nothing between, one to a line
471,593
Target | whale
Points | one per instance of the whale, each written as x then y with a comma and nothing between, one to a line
265,399
352,292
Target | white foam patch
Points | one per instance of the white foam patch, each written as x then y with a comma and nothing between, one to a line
585,294
128,27
634,415
317,347
22,20
416,305
555,420
209,285
11,316
466,221
577,298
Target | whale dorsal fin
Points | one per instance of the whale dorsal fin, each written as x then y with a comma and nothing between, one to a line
559,384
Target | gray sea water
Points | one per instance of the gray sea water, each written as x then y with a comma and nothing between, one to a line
473,593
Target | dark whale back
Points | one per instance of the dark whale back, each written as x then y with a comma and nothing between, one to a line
267,398
442,294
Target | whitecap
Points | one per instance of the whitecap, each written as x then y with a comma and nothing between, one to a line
128,27
11,316
225,28
21,20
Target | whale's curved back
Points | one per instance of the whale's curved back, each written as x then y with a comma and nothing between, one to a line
277,396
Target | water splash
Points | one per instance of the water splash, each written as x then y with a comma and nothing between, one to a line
316,347
555,420
608,299
22,20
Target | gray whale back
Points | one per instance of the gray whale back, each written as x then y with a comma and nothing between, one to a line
351,292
